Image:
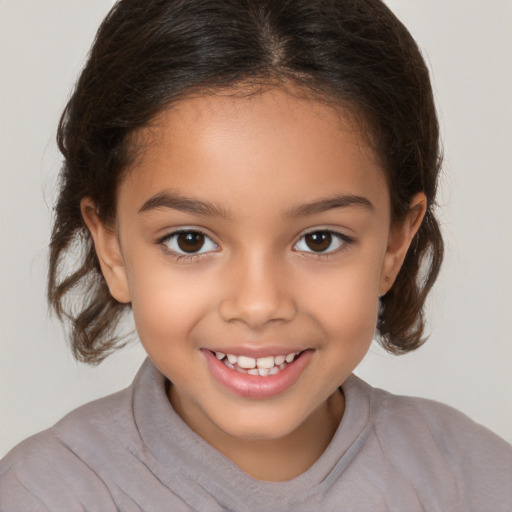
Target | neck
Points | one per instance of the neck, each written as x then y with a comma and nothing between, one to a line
276,460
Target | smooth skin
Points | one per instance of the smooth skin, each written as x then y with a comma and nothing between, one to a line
255,280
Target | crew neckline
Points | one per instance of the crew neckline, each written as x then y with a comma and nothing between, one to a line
175,446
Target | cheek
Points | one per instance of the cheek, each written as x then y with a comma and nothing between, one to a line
345,303
350,319
166,305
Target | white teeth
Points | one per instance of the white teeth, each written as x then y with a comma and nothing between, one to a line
246,362
289,357
265,362
262,366
279,360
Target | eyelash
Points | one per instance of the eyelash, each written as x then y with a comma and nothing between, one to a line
181,257
344,240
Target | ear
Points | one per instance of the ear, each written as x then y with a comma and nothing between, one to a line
400,238
108,251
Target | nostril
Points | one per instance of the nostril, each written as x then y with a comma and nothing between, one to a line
257,311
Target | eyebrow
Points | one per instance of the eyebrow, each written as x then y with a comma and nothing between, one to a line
207,209
183,204
330,203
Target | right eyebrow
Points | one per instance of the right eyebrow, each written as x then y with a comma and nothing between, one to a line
183,204
330,203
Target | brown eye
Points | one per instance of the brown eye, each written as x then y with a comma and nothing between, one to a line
190,241
319,241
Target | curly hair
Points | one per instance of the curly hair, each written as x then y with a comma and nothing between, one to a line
150,53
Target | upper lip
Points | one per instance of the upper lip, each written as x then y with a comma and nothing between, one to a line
256,352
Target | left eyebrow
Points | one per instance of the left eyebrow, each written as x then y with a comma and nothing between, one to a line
184,204
330,203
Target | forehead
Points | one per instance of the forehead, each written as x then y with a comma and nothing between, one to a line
275,146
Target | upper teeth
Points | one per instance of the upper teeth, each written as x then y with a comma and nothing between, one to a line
263,363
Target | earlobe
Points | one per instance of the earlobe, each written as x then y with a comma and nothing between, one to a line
108,251
400,238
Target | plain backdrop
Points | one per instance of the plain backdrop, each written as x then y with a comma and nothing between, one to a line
467,361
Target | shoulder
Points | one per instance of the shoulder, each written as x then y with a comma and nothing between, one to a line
52,470
449,429
437,445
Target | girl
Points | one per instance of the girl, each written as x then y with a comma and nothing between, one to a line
255,181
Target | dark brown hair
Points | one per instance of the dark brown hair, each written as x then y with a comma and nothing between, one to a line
150,53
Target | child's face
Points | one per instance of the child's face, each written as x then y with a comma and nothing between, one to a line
295,248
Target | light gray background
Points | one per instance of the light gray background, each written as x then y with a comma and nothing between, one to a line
467,361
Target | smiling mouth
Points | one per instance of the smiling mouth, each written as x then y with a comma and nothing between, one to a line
261,366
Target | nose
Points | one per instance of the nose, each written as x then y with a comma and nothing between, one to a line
258,294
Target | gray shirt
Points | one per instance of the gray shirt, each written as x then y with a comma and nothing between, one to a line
131,452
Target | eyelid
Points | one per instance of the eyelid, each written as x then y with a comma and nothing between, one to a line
184,255
345,242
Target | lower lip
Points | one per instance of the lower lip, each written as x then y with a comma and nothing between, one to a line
254,386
